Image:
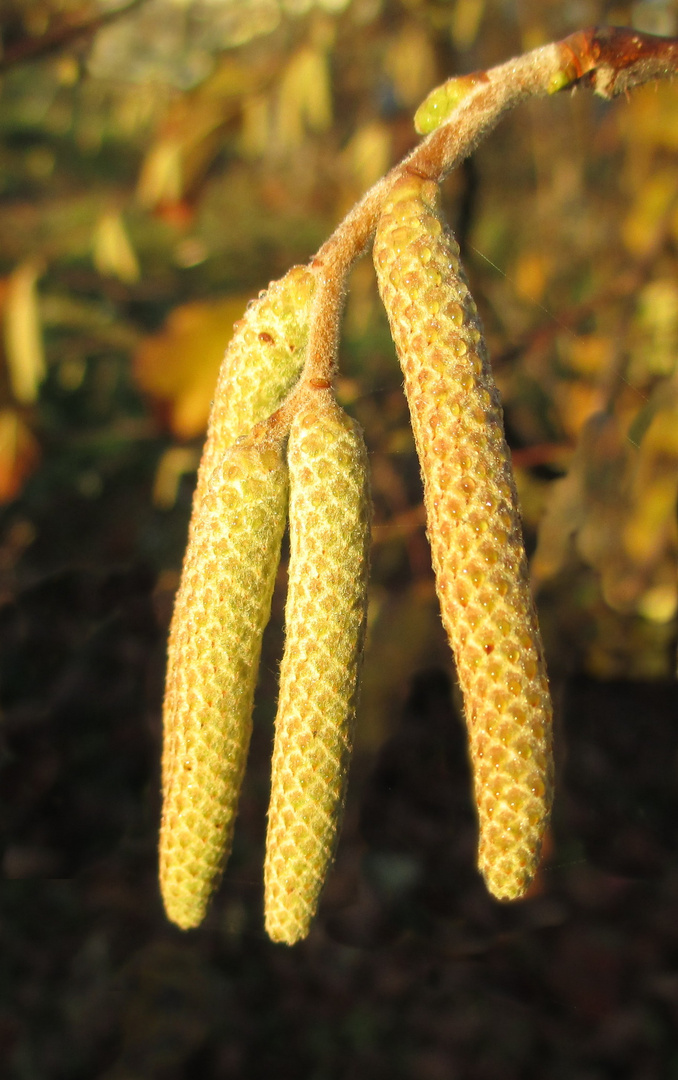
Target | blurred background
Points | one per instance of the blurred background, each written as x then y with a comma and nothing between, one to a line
160,162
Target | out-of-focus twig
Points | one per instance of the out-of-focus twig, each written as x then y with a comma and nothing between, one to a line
35,48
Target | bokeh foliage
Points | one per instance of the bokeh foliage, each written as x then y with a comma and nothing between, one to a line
157,168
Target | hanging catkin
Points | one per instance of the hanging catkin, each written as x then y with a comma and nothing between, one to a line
221,609
324,628
223,601
474,530
262,362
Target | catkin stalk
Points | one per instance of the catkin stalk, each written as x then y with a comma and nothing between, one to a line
324,623
474,530
221,610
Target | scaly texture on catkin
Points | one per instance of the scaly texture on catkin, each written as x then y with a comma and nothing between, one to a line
324,630
220,612
474,530
262,362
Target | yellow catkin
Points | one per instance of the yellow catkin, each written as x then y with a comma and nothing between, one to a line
221,609
262,362
474,530
224,598
325,619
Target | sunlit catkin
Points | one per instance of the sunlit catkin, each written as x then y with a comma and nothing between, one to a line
224,597
221,609
474,530
262,362
324,625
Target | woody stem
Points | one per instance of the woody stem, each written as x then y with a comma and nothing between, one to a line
610,59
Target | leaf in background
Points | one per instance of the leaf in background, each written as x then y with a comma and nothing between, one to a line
178,366
531,274
654,347
411,63
23,336
589,503
113,251
369,153
653,200
19,454
192,132
305,97
255,134
466,19
175,463
655,488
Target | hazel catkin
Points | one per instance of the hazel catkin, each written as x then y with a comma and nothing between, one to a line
224,596
221,609
262,362
474,530
324,628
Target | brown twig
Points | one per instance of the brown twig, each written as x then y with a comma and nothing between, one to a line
610,59
34,48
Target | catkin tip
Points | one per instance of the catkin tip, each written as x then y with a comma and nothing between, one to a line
220,613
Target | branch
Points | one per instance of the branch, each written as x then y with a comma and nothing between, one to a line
473,525
34,48
611,60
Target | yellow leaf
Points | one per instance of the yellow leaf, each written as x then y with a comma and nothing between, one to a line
531,275
576,402
411,63
23,337
655,349
466,22
161,178
368,154
655,488
305,100
650,118
589,355
174,463
192,132
19,454
256,126
178,366
654,198
113,251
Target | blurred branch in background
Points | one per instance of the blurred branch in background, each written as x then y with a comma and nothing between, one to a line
18,47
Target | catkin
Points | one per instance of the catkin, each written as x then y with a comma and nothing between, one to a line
262,362
324,623
221,609
224,597
474,530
